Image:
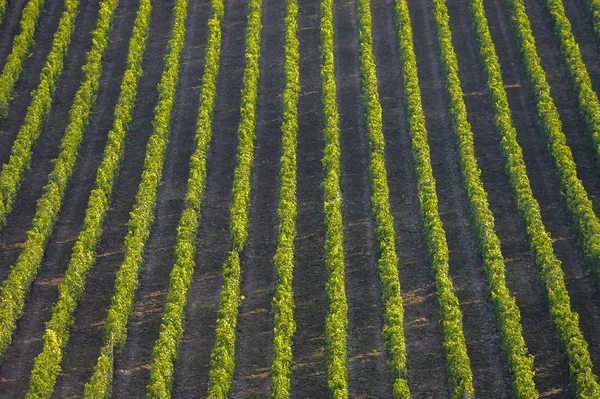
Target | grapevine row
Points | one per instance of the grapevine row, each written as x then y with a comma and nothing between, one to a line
283,300
222,357
47,364
461,377
171,332
577,200
336,324
589,105
507,312
3,4
101,381
23,41
14,171
551,274
16,287
594,9
387,259
142,214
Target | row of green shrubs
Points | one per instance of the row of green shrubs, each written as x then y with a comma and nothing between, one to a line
47,364
551,274
589,105
16,287
336,323
577,199
507,312
14,171
459,366
283,300
594,9
16,59
172,327
387,258
222,357
3,4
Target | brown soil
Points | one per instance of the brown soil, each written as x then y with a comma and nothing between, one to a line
254,345
191,371
551,376
9,28
87,335
27,340
30,78
309,374
367,375
483,345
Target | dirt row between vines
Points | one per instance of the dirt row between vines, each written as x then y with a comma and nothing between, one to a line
428,375
18,361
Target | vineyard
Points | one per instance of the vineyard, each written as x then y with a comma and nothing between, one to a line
300,199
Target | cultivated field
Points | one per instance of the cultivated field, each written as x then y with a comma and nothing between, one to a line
300,199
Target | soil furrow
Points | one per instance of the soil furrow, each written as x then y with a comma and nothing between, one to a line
551,368
521,271
367,376
86,336
30,78
9,28
427,374
309,374
565,98
19,220
191,369
27,340
254,350
132,365
489,370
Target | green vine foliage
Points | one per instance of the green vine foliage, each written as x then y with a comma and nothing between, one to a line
14,171
3,4
507,312
461,377
576,198
21,45
283,300
551,275
594,11
16,287
589,105
171,330
222,357
336,323
47,364
387,259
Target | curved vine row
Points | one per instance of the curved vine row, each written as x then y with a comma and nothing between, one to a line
387,259
589,106
461,377
576,198
508,315
551,274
